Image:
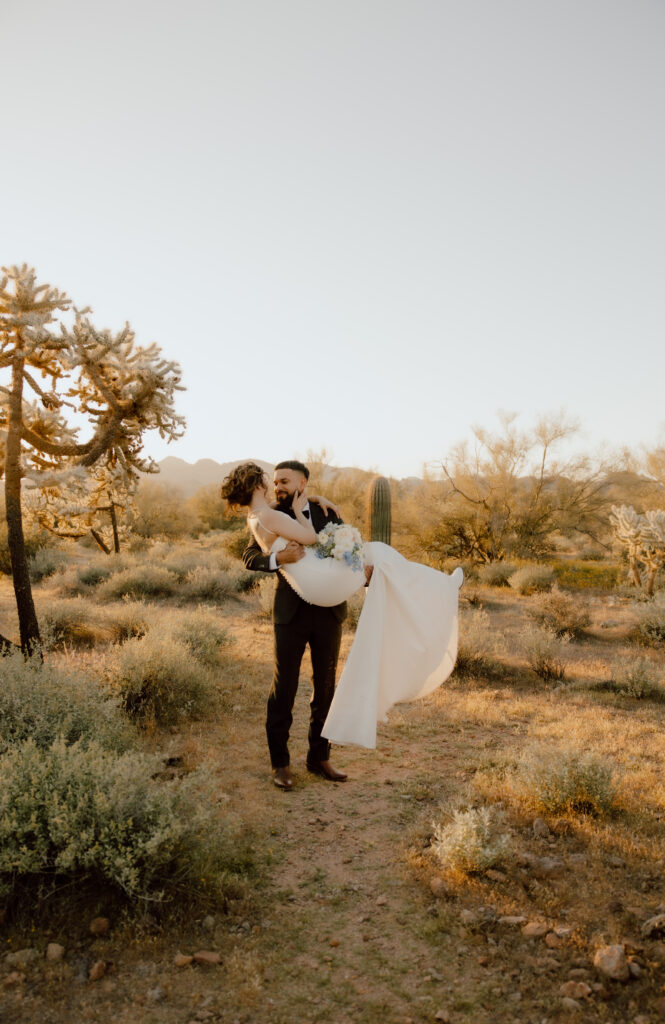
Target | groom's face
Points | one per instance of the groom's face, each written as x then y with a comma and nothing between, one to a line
287,482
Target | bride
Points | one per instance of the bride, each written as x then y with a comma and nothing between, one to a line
406,639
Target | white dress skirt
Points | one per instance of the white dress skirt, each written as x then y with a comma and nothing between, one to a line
406,640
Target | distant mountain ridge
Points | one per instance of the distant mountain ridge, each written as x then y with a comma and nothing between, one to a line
190,477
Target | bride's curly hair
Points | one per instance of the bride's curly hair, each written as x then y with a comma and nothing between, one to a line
239,486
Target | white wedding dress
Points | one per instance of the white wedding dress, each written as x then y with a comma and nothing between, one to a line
406,640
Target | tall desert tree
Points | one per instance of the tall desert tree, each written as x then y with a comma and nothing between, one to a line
99,378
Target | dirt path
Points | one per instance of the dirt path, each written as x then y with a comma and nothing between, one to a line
343,927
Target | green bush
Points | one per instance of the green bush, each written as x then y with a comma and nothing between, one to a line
566,781
43,701
560,613
159,682
532,579
81,812
472,841
637,677
544,652
496,574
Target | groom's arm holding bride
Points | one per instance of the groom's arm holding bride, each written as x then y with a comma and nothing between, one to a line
297,531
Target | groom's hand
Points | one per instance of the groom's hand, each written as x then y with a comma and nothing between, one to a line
293,552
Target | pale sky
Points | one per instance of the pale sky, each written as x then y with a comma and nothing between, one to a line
363,224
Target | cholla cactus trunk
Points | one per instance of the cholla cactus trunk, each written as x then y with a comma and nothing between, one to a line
378,510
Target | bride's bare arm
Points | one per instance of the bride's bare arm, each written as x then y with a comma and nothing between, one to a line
298,529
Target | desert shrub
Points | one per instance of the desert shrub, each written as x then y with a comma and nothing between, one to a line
472,841
81,812
234,542
582,575
532,579
496,574
45,562
201,632
43,701
161,511
560,613
139,581
158,682
206,584
637,677
35,540
566,781
651,621
476,645
354,607
97,571
266,591
79,622
209,508
544,652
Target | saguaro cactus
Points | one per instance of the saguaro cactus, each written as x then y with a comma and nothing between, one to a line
378,510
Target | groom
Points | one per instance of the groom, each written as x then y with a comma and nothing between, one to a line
296,624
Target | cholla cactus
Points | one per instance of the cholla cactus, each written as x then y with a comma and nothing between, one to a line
644,538
122,390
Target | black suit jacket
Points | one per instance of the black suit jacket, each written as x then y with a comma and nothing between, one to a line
287,601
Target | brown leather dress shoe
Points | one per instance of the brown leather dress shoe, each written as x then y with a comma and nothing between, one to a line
325,769
282,777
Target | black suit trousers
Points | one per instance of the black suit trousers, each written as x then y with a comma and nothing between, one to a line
321,628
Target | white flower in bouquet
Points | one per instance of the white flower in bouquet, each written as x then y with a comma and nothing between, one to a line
342,542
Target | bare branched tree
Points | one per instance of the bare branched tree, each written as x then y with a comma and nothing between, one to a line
121,390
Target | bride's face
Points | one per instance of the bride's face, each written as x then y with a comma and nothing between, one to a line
287,482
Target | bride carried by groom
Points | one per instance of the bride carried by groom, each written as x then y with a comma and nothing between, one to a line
406,639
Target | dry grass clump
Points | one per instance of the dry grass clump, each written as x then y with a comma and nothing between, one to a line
139,581
560,613
472,841
79,622
42,701
633,677
202,634
532,579
544,652
477,644
266,592
158,682
206,584
651,621
566,781
46,562
496,574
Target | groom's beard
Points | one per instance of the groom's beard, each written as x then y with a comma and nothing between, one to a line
285,503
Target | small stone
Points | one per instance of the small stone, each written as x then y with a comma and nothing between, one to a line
553,940
54,952
483,961
97,971
575,990
15,978
442,1015
22,958
496,876
182,960
468,916
659,1006
611,961
156,995
438,887
540,828
99,926
641,1019
578,860
578,973
654,927
571,1005
547,867
334,943
205,956
381,901
208,923
616,862
513,920
635,969
535,930
563,931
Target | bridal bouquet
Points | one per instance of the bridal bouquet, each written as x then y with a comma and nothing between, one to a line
342,542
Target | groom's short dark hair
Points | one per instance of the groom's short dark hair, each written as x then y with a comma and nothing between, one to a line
294,464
